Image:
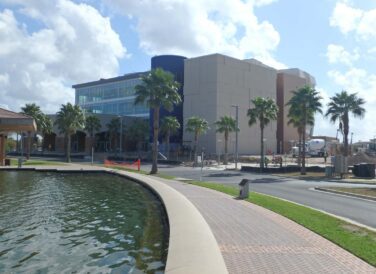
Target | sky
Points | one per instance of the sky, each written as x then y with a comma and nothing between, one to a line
46,46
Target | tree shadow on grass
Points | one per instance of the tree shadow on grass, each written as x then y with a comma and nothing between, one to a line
223,174
267,181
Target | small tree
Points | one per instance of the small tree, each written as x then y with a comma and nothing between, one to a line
170,125
158,89
265,110
69,119
226,124
197,126
304,103
295,121
35,112
138,132
113,129
92,124
47,126
340,106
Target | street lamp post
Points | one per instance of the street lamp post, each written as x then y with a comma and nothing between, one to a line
236,135
219,152
121,134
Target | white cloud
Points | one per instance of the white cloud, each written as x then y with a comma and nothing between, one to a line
349,19
362,82
199,27
322,125
338,54
75,43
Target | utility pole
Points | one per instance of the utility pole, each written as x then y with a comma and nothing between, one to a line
121,134
236,135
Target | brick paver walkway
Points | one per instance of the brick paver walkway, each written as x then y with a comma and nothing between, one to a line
255,240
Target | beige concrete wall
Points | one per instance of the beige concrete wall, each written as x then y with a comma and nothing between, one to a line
288,81
200,96
215,82
2,149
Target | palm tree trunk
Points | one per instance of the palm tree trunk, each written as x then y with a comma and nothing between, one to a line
346,134
28,145
303,168
68,148
168,144
154,167
262,149
226,148
300,150
195,149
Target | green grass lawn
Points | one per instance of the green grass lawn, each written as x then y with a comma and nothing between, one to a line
14,162
357,240
160,175
356,190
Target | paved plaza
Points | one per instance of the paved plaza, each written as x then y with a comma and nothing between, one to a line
255,240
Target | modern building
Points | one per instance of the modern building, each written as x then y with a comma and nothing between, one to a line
111,96
102,141
287,81
175,65
213,84
210,87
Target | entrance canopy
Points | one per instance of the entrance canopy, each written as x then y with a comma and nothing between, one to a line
15,122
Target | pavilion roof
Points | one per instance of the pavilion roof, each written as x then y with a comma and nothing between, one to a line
15,122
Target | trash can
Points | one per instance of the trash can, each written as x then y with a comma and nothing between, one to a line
355,170
244,189
369,170
328,171
7,162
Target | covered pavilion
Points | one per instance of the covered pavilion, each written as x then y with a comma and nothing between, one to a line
13,122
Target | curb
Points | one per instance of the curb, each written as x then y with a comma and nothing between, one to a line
323,211
192,246
346,193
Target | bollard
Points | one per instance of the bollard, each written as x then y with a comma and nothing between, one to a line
244,189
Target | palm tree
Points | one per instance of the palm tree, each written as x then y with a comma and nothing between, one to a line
47,126
113,129
169,126
92,124
294,120
304,103
138,132
226,124
158,89
35,112
69,119
339,108
265,111
197,126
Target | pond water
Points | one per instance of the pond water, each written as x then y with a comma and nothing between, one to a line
79,223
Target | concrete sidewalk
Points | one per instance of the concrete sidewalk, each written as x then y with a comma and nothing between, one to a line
255,240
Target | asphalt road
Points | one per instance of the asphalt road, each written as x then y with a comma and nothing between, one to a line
299,191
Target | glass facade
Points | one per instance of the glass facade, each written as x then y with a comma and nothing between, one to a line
111,96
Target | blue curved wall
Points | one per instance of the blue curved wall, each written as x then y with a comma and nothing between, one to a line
175,65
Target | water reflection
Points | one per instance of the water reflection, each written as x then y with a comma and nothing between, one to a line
52,222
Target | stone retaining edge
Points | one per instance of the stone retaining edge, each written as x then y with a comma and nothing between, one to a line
346,193
192,246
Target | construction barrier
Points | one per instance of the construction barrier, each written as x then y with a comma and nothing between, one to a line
136,165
